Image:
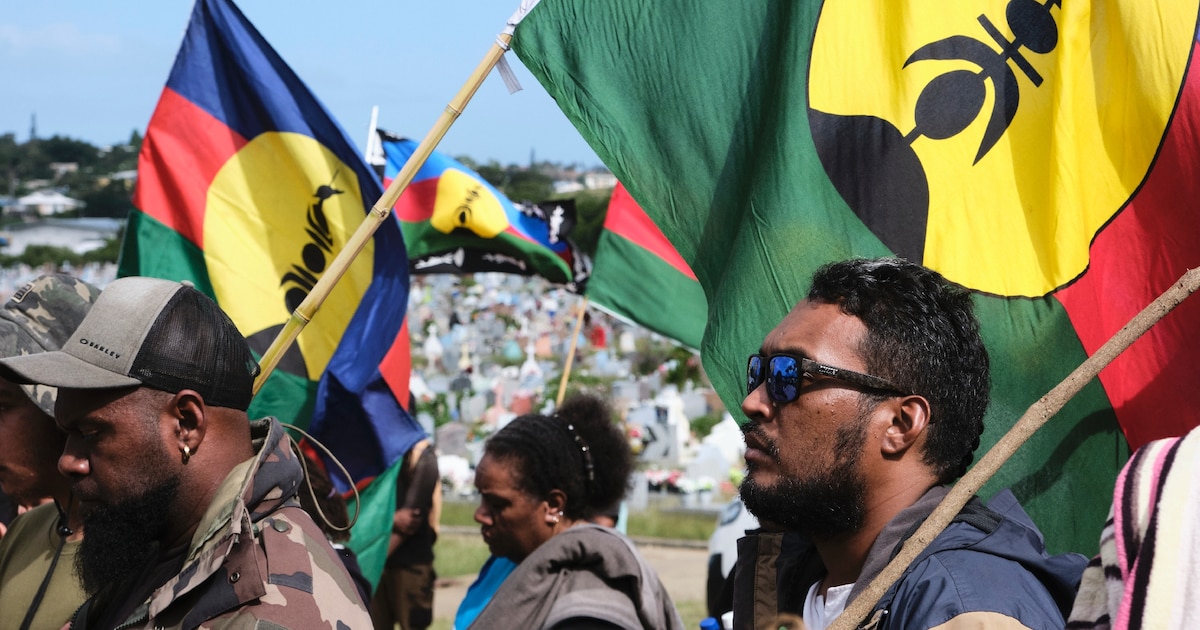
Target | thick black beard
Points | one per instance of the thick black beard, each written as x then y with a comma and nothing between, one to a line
827,505
121,540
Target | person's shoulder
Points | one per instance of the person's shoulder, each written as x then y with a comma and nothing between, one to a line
964,585
35,522
584,623
306,580
36,516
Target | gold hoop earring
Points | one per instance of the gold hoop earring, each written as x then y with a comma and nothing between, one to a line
187,453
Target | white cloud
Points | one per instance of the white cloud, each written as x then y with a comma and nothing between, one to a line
58,38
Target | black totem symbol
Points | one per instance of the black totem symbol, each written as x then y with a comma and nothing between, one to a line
303,277
873,165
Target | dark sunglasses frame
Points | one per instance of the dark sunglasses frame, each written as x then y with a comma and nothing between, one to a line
810,368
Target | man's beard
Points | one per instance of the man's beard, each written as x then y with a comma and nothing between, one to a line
121,540
825,504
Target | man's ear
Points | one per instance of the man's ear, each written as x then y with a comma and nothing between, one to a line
909,419
187,407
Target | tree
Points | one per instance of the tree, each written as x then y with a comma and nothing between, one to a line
9,157
112,200
524,184
108,253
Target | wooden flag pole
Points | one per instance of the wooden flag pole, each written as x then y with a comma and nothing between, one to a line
378,214
562,383
1035,417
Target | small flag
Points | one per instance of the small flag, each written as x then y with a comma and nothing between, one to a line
454,221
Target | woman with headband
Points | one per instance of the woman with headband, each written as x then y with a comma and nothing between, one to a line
541,479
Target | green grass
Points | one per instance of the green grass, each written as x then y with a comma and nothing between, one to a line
661,524
692,612
456,512
456,554
648,523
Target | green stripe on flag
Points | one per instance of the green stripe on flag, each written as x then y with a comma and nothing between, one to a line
151,248
378,506
1064,474
637,285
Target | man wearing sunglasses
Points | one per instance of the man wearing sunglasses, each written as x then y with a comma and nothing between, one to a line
863,403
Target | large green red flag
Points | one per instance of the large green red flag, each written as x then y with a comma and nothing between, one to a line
637,275
248,188
1041,154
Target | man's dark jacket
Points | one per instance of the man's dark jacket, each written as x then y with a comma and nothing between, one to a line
989,561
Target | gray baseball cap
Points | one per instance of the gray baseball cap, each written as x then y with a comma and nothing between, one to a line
40,317
152,332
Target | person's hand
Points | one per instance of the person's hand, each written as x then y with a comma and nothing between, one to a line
406,521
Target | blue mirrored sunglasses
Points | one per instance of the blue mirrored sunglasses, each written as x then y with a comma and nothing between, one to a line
784,372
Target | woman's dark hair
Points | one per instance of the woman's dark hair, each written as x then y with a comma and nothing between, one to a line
578,450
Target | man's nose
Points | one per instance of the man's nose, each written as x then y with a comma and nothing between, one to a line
73,462
757,405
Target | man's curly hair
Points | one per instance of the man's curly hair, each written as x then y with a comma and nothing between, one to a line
922,335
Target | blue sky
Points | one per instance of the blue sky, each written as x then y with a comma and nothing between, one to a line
94,70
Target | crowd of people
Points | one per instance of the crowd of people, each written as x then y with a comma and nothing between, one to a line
150,499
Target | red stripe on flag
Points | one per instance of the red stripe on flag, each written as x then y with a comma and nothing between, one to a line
627,219
416,203
396,367
1144,250
197,145
515,232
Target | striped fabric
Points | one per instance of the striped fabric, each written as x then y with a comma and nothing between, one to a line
1148,572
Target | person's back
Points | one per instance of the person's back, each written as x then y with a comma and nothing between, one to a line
1145,575
327,508
405,591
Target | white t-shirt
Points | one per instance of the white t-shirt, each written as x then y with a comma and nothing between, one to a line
820,611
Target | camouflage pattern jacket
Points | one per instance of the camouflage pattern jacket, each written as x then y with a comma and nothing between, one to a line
256,560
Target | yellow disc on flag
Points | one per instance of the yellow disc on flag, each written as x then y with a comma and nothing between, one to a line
1025,125
463,202
278,213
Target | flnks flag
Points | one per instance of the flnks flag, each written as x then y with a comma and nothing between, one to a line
639,276
1042,154
454,221
248,188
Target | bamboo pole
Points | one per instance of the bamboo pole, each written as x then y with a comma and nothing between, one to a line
378,214
1035,417
562,383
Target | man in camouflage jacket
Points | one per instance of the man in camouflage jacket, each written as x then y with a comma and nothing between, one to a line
190,509
256,556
